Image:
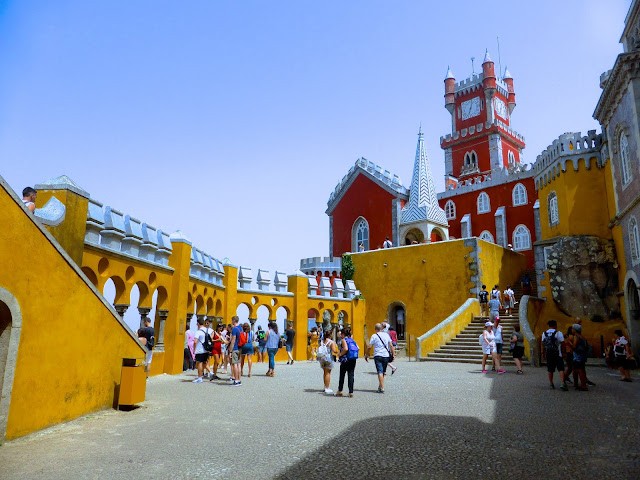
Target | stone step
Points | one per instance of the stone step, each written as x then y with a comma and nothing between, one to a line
466,354
465,348
505,363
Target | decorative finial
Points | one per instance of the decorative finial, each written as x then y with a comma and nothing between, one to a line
420,130
449,73
507,74
487,58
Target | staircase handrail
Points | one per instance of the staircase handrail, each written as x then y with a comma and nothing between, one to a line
530,340
449,327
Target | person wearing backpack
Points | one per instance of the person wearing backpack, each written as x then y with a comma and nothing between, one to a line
347,357
203,346
326,352
579,347
261,336
621,354
552,341
236,333
246,347
147,336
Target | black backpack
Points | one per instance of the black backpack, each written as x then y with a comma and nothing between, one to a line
550,345
208,343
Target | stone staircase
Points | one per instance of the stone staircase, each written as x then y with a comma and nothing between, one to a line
464,348
517,288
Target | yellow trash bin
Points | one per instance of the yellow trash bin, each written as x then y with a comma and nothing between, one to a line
133,382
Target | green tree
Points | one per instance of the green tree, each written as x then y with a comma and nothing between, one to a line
347,267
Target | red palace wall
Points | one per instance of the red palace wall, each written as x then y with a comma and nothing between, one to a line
367,199
500,195
480,146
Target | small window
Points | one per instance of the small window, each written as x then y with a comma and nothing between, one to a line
450,210
521,238
634,240
519,195
552,206
484,205
511,158
361,234
625,166
486,236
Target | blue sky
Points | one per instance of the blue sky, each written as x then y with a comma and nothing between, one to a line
234,121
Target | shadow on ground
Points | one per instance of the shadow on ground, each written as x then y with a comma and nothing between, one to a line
444,447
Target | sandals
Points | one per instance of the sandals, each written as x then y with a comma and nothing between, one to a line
338,394
519,372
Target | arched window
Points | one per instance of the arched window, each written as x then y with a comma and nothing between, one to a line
484,205
519,195
511,158
486,236
634,240
450,210
470,159
521,238
552,206
625,166
360,234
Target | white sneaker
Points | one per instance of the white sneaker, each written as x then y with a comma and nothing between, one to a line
328,391
197,380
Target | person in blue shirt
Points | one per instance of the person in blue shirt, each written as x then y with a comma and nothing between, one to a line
236,372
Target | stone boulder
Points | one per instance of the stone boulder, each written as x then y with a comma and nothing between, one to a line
582,276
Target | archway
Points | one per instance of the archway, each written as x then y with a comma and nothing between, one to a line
10,328
414,236
397,318
436,235
633,318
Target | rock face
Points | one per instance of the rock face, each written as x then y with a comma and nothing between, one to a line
582,277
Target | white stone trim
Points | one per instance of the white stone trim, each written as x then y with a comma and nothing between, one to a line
12,355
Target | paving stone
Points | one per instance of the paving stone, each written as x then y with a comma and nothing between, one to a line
435,420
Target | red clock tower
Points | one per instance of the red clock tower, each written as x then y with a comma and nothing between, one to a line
481,137
489,193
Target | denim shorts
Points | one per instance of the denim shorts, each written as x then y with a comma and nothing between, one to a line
262,348
381,364
289,348
499,348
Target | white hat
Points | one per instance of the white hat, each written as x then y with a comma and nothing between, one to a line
488,324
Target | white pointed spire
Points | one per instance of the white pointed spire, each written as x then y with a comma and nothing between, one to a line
507,73
487,58
423,201
449,73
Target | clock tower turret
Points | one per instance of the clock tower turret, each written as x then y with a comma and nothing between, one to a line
481,139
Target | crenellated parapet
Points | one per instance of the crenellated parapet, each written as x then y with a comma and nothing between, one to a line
482,182
474,83
110,229
321,264
569,147
206,268
376,173
497,126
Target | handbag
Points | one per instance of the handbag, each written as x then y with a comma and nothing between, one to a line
391,358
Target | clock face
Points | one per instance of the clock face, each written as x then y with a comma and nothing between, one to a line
470,108
501,108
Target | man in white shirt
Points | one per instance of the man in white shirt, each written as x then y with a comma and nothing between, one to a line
202,356
383,353
387,243
552,341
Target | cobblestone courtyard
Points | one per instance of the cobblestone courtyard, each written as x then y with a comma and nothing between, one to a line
434,421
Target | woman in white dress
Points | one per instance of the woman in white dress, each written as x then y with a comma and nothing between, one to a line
489,347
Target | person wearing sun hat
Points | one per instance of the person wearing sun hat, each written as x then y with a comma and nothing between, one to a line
488,343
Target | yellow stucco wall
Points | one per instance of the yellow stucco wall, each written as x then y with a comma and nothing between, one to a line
578,212
71,344
431,280
500,266
70,233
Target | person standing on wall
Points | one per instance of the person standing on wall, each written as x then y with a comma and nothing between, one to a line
29,197
387,243
147,336
383,353
290,334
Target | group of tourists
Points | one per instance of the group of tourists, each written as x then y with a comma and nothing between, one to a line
492,343
492,303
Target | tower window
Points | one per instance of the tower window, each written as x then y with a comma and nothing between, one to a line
450,210
360,234
625,165
521,238
634,240
552,206
519,195
484,204
511,158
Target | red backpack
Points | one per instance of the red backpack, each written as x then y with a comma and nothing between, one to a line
243,339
